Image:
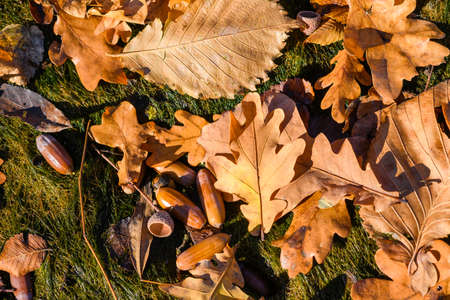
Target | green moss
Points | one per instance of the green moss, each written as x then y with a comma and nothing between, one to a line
38,200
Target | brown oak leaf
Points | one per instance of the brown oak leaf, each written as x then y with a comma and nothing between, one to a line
394,43
120,128
344,84
310,234
88,51
185,137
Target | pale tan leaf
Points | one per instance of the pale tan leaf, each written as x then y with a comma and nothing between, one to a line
213,49
262,166
132,11
23,254
75,8
394,43
329,32
411,154
21,52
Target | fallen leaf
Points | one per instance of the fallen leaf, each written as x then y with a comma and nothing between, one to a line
2,175
113,30
75,8
339,14
167,10
21,52
344,84
88,51
399,288
216,279
140,237
329,32
131,11
336,175
118,239
310,234
213,49
410,154
185,137
23,254
31,108
261,165
42,11
161,155
394,44
120,128
331,2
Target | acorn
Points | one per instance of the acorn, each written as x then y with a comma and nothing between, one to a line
55,154
210,198
203,250
179,172
181,207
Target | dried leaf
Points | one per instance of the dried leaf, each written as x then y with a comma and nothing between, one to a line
311,233
21,52
331,2
140,237
167,10
161,155
338,14
113,30
344,84
132,11
261,165
399,288
216,279
87,51
394,44
2,175
329,32
120,128
185,137
75,8
410,154
23,254
336,175
211,50
118,239
42,11
31,108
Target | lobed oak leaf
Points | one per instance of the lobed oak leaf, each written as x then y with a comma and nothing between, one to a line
344,84
161,155
215,279
410,154
399,288
21,52
185,137
339,14
167,10
329,32
75,8
261,165
23,254
88,51
213,49
131,11
120,128
113,30
310,234
41,10
394,43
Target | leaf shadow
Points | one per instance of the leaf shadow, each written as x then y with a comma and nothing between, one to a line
335,289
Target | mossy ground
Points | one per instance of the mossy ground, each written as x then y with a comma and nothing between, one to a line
35,199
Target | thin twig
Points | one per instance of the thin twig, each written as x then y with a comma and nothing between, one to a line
429,77
144,195
154,282
83,222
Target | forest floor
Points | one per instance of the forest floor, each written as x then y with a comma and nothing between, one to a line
36,199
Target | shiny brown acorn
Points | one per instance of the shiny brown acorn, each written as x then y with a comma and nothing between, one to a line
203,250
55,154
179,172
211,199
181,207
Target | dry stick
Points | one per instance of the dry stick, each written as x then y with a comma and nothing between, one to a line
129,181
83,223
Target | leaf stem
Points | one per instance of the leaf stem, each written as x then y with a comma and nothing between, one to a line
83,222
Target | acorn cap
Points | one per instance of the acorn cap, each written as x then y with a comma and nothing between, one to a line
160,224
309,21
